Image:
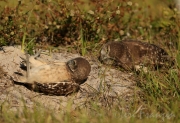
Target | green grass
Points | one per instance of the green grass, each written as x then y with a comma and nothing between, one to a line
56,23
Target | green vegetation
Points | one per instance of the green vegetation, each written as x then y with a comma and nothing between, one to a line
84,26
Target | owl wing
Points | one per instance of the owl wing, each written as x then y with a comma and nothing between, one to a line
124,57
58,88
147,54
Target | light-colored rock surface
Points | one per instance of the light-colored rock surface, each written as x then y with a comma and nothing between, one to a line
102,81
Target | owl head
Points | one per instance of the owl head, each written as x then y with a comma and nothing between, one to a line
111,52
79,69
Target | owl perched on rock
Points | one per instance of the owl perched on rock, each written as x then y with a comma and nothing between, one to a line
132,54
59,78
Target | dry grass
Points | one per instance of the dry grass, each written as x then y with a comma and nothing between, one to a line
53,24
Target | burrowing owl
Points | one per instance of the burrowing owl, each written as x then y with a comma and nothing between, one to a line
60,78
132,54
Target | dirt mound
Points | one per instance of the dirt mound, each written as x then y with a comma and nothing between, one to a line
103,81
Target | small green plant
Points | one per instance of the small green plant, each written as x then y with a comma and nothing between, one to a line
87,25
83,42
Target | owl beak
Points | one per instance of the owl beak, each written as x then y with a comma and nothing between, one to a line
101,58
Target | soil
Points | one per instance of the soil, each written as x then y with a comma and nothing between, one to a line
107,83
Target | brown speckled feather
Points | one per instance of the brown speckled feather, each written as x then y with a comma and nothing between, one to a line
130,53
57,88
60,79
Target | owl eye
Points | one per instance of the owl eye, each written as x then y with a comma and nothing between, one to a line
72,65
108,49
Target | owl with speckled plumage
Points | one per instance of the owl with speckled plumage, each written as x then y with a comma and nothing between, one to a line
58,78
133,54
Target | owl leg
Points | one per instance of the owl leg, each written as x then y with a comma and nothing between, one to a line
32,61
28,66
35,56
23,77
